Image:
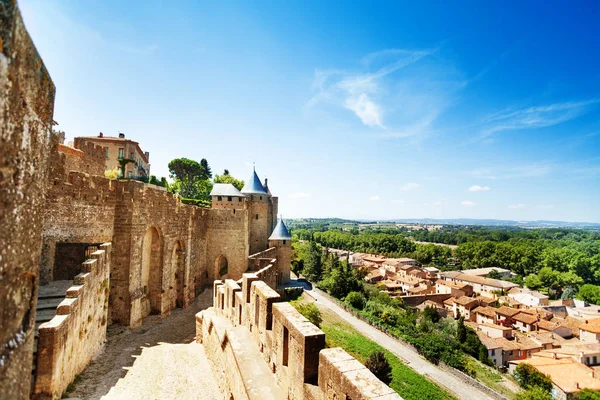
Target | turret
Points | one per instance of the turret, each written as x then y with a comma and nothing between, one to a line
260,220
282,240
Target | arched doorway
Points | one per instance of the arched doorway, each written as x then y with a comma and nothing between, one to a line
178,265
221,266
152,268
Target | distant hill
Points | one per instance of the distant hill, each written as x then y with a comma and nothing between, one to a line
461,221
500,222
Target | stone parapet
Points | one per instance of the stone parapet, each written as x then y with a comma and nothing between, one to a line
69,341
282,343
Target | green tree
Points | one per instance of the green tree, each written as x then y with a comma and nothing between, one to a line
356,300
226,178
310,312
529,377
378,364
123,163
431,314
206,168
535,393
589,293
191,178
587,394
494,274
461,330
313,266
533,282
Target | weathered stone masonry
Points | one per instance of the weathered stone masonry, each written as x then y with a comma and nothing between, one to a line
261,348
155,253
26,111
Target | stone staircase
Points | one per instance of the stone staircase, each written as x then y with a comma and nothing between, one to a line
49,297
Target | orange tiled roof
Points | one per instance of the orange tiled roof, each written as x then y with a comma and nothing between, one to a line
591,326
525,318
507,311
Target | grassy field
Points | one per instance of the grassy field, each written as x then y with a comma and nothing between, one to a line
406,382
493,379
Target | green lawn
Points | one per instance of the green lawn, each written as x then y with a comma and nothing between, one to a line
406,382
491,378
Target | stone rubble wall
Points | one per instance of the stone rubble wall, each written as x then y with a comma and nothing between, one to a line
290,347
26,117
69,341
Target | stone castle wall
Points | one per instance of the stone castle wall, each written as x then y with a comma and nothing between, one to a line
228,238
69,341
55,201
262,348
26,112
80,208
156,235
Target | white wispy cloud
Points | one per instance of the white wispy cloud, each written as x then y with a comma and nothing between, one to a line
478,188
531,170
514,206
484,173
374,198
399,201
410,186
299,195
467,203
385,93
536,116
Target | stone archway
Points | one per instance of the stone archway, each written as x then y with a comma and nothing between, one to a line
221,266
152,270
178,265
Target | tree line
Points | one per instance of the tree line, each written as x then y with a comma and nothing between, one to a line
558,262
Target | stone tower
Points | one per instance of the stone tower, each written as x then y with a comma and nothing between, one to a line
282,240
261,209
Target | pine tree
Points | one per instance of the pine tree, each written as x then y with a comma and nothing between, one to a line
313,268
461,330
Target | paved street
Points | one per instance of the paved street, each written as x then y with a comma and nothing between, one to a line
416,362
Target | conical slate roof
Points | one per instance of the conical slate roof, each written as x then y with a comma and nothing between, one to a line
280,232
254,186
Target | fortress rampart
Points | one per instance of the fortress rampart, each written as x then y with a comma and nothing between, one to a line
69,341
262,348
157,253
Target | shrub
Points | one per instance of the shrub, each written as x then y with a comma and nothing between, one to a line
431,314
356,300
587,394
379,366
311,312
535,393
529,377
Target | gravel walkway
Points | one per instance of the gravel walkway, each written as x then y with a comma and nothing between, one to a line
159,360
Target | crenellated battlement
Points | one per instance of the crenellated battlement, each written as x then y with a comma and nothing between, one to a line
287,349
80,323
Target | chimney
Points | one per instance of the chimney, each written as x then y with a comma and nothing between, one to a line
121,135
101,134
147,154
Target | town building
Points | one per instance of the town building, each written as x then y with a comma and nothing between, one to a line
482,286
589,331
528,297
117,148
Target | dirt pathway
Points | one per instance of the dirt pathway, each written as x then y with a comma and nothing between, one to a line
159,360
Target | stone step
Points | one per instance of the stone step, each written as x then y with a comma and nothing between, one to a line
44,315
54,289
49,302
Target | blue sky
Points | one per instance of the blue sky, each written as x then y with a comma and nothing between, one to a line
354,110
